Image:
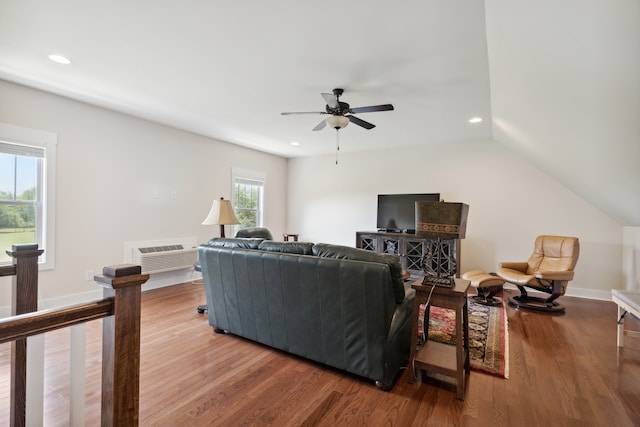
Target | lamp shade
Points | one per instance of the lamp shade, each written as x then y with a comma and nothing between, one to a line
221,213
441,219
337,122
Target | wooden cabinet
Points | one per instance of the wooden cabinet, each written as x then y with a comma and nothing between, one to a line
410,248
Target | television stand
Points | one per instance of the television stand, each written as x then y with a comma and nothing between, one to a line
395,231
408,246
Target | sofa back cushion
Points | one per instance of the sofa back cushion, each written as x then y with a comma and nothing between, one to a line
300,248
255,233
228,242
345,252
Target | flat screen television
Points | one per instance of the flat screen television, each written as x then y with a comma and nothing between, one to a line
397,212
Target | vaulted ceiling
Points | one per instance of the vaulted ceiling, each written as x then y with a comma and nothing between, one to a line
557,82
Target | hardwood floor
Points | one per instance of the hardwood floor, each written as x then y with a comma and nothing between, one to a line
564,370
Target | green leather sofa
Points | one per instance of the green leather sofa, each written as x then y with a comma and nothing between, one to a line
343,307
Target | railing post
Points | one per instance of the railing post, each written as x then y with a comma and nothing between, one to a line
24,300
121,345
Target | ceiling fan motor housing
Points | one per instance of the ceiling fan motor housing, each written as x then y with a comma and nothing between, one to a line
342,109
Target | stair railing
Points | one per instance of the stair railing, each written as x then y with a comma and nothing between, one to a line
120,311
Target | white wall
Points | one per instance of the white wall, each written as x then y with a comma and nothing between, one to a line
631,258
109,165
565,85
510,203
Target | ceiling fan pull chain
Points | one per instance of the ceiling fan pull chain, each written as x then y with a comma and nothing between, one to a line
337,143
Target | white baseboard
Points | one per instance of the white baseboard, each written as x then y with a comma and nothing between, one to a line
156,281
574,292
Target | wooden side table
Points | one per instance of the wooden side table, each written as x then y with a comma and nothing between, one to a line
286,237
436,357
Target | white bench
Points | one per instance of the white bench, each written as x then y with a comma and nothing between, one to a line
628,302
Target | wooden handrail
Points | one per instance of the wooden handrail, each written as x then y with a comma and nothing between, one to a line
8,270
120,310
26,325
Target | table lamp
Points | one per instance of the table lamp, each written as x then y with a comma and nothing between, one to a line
221,213
444,223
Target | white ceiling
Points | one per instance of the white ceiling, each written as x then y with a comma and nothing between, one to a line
562,78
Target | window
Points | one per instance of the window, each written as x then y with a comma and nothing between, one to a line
27,171
248,198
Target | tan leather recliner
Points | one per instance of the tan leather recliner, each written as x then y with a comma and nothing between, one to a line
549,269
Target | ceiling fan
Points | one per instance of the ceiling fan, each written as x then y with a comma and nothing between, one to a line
341,113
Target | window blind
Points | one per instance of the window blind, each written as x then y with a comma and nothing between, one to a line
21,150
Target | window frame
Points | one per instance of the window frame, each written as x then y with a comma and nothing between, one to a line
46,197
239,174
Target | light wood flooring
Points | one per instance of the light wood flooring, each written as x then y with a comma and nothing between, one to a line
564,371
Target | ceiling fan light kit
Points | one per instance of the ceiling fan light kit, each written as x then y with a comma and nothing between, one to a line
337,122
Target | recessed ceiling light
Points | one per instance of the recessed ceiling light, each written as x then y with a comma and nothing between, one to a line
475,119
60,59
296,143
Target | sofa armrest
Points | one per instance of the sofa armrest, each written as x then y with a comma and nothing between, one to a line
518,266
554,275
402,314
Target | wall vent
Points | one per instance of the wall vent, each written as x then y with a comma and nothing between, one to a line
157,257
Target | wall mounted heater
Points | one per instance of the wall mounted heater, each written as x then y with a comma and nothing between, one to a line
160,256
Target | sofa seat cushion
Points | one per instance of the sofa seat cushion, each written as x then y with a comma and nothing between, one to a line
300,248
345,252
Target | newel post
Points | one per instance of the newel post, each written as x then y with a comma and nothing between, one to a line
121,345
24,300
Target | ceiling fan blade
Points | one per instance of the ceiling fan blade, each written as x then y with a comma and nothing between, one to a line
372,108
331,99
304,112
320,125
360,122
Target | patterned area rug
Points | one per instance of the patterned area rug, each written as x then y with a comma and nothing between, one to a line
488,335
